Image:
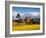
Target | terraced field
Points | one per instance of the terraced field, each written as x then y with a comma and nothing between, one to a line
21,27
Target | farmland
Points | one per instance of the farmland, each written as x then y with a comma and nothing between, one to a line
21,27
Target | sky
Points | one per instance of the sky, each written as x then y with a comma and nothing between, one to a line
25,10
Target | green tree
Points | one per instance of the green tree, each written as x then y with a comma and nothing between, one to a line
18,16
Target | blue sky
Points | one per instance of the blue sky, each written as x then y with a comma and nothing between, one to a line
26,10
23,11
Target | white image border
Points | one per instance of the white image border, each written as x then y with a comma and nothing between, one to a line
32,31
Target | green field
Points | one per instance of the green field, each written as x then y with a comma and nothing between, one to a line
21,27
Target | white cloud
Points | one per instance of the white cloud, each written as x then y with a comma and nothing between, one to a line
35,13
15,14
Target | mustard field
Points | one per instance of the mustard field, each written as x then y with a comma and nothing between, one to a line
22,27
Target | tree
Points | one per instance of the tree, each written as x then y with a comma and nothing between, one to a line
18,16
19,19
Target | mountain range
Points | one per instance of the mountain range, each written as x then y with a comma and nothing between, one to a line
27,15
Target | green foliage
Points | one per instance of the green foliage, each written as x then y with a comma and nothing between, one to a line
36,20
18,16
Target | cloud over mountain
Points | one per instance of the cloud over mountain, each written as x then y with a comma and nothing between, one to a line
23,15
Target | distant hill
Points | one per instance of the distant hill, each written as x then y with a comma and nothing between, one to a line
27,15
30,15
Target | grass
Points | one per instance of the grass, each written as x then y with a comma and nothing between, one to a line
21,27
